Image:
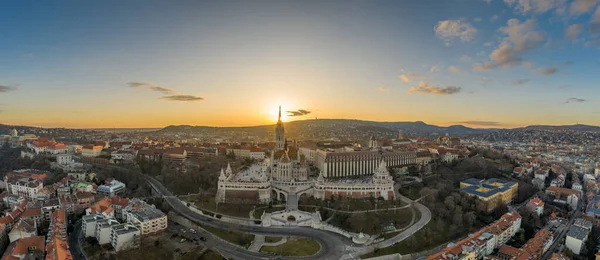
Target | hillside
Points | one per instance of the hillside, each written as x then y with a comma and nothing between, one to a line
327,128
577,127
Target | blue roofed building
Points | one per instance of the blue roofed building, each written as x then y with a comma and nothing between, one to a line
593,207
494,192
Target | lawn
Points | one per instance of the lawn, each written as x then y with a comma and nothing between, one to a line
238,238
236,210
258,213
427,238
372,223
147,252
211,255
272,239
294,247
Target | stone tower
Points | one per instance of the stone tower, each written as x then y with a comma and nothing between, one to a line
279,134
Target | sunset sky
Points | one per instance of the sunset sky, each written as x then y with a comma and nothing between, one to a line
482,63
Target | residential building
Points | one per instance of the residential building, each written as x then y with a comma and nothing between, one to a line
147,218
564,195
483,242
91,150
125,236
593,207
57,247
494,192
26,248
576,237
24,228
104,230
333,164
89,222
111,188
33,214
26,186
536,205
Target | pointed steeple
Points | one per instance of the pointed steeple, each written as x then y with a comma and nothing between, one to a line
222,176
279,118
228,171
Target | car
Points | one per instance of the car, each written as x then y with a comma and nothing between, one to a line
193,231
182,240
203,238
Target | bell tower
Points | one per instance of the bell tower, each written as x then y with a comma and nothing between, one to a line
279,134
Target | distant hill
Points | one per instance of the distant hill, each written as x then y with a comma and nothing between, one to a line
577,127
327,128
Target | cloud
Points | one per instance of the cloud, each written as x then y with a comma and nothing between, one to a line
568,63
454,69
450,30
299,112
486,79
465,58
546,71
488,44
151,86
595,22
519,82
425,88
520,37
409,77
535,6
404,78
6,88
477,122
575,100
487,1
573,31
435,68
582,6
185,98
477,19
528,64
382,89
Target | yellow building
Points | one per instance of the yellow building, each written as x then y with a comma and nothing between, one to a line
494,192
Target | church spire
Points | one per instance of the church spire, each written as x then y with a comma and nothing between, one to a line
279,118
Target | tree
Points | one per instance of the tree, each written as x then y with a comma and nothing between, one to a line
470,218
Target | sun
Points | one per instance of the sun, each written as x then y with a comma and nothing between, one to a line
273,113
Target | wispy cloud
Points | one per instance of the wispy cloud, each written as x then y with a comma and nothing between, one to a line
151,86
434,68
545,71
520,37
572,32
6,88
382,89
582,6
477,122
494,17
409,77
299,112
454,69
519,82
426,88
184,98
450,30
575,100
536,6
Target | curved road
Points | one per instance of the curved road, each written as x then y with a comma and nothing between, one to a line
333,246
75,240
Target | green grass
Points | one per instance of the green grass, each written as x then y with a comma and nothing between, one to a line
258,213
211,255
371,222
236,210
427,238
294,247
272,239
238,238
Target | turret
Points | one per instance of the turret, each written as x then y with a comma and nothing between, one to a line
228,171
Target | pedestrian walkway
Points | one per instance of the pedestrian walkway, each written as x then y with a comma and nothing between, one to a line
257,243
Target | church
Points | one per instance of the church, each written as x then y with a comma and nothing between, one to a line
286,172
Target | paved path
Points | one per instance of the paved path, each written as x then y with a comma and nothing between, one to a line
258,242
75,242
332,245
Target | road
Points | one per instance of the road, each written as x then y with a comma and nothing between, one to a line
333,246
561,235
75,242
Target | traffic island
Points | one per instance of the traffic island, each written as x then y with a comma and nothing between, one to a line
294,247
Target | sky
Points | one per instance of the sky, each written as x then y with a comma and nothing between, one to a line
480,63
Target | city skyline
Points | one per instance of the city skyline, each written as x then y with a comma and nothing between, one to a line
480,63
